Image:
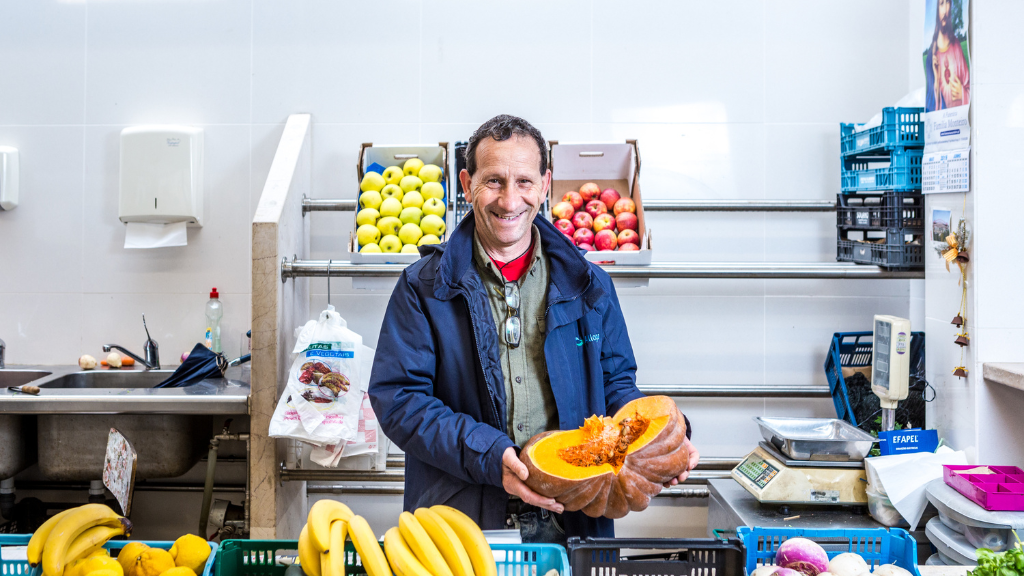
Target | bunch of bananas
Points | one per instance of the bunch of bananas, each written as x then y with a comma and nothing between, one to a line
435,541
77,534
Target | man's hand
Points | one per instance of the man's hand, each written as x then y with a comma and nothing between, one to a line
694,459
513,476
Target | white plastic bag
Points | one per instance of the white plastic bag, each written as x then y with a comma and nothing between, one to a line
368,441
320,403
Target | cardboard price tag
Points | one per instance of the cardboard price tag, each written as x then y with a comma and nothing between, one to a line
119,466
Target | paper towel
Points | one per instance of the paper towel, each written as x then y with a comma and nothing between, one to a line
904,477
146,235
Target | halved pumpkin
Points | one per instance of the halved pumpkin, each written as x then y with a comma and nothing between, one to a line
611,465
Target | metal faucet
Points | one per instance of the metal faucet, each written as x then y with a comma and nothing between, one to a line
3,352
149,348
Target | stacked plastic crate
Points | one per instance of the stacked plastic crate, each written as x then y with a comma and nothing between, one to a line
880,213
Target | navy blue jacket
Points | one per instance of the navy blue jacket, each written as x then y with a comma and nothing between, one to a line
437,386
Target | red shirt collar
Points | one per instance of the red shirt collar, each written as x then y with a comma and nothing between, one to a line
514,270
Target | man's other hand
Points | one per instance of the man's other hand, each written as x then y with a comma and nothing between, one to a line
690,465
513,476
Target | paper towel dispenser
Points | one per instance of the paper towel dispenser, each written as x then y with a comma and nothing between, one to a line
161,175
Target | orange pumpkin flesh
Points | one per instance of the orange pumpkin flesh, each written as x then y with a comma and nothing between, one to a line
611,465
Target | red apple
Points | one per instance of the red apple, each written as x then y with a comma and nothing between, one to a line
587,247
583,236
627,247
627,221
573,198
562,211
628,236
604,222
623,205
590,191
582,220
610,196
565,227
605,240
595,208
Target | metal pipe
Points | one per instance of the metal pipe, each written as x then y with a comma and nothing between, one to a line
141,487
348,205
673,492
706,462
211,466
704,472
664,270
741,391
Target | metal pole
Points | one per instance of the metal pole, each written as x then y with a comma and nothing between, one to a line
343,205
664,270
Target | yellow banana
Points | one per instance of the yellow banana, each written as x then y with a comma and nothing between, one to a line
325,563
319,521
338,547
80,519
446,541
35,545
400,556
309,558
421,545
90,539
368,547
472,538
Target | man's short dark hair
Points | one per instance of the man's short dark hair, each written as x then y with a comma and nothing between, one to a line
501,128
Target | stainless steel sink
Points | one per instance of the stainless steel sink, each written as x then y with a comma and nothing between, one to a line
19,377
168,427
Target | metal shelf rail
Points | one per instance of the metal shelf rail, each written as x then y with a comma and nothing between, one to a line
341,205
296,268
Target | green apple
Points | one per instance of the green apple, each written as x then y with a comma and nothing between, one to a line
392,191
410,249
370,199
390,207
372,181
412,166
390,244
432,190
410,233
368,234
367,216
428,239
411,215
435,206
388,225
432,224
393,174
410,183
413,199
370,248
430,173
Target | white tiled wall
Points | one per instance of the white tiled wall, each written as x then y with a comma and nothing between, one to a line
729,100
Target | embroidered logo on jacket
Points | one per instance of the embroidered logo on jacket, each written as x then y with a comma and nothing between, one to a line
589,338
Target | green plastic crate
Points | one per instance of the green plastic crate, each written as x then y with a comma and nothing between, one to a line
258,558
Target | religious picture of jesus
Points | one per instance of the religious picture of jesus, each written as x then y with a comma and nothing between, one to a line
947,64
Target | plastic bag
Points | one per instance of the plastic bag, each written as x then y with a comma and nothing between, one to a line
368,440
325,389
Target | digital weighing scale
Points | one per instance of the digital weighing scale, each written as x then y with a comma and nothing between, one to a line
816,461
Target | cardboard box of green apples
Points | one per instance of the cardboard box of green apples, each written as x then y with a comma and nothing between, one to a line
590,171
402,202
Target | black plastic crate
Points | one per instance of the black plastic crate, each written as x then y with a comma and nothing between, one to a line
880,211
661,556
894,248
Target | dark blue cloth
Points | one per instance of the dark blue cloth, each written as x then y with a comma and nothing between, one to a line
437,386
202,363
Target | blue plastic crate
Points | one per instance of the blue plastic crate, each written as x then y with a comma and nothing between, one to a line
21,567
902,175
900,128
258,558
876,545
853,350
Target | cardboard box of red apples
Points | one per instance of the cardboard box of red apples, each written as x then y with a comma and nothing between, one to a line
595,200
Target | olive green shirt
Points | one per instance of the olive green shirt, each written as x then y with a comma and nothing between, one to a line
530,403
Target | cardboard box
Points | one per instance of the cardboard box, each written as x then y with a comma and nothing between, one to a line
397,155
610,165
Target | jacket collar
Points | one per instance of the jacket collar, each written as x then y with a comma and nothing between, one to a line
570,272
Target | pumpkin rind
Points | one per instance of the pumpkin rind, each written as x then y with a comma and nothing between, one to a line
653,458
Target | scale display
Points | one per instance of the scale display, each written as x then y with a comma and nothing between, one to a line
758,471
883,340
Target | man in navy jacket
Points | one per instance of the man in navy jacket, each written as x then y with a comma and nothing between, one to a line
440,377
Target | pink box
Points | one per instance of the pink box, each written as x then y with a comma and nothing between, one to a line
1001,490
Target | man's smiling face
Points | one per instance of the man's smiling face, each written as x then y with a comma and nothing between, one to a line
506,191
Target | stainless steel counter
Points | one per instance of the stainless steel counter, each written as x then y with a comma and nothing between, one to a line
132,393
